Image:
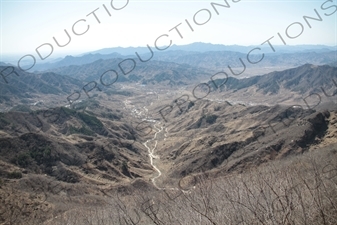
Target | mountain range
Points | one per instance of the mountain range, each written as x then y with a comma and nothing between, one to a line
206,47
260,146
205,55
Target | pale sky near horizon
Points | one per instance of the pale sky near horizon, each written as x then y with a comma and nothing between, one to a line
26,24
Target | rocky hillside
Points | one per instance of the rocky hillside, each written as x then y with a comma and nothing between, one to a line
304,79
19,85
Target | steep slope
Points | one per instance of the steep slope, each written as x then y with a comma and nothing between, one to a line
71,146
304,79
219,136
19,84
60,161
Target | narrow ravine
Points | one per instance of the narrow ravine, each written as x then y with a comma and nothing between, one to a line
152,156
138,114
151,151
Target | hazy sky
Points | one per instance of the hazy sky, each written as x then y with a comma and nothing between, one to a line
26,24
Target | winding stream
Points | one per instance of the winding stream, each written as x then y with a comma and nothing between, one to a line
152,156
150,150
138,114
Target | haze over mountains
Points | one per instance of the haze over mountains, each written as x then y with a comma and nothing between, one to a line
152,71
204,55
306,79
147,147
214,60
206,47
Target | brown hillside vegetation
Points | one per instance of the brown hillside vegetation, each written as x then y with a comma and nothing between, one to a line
71,176
150,153
299,190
